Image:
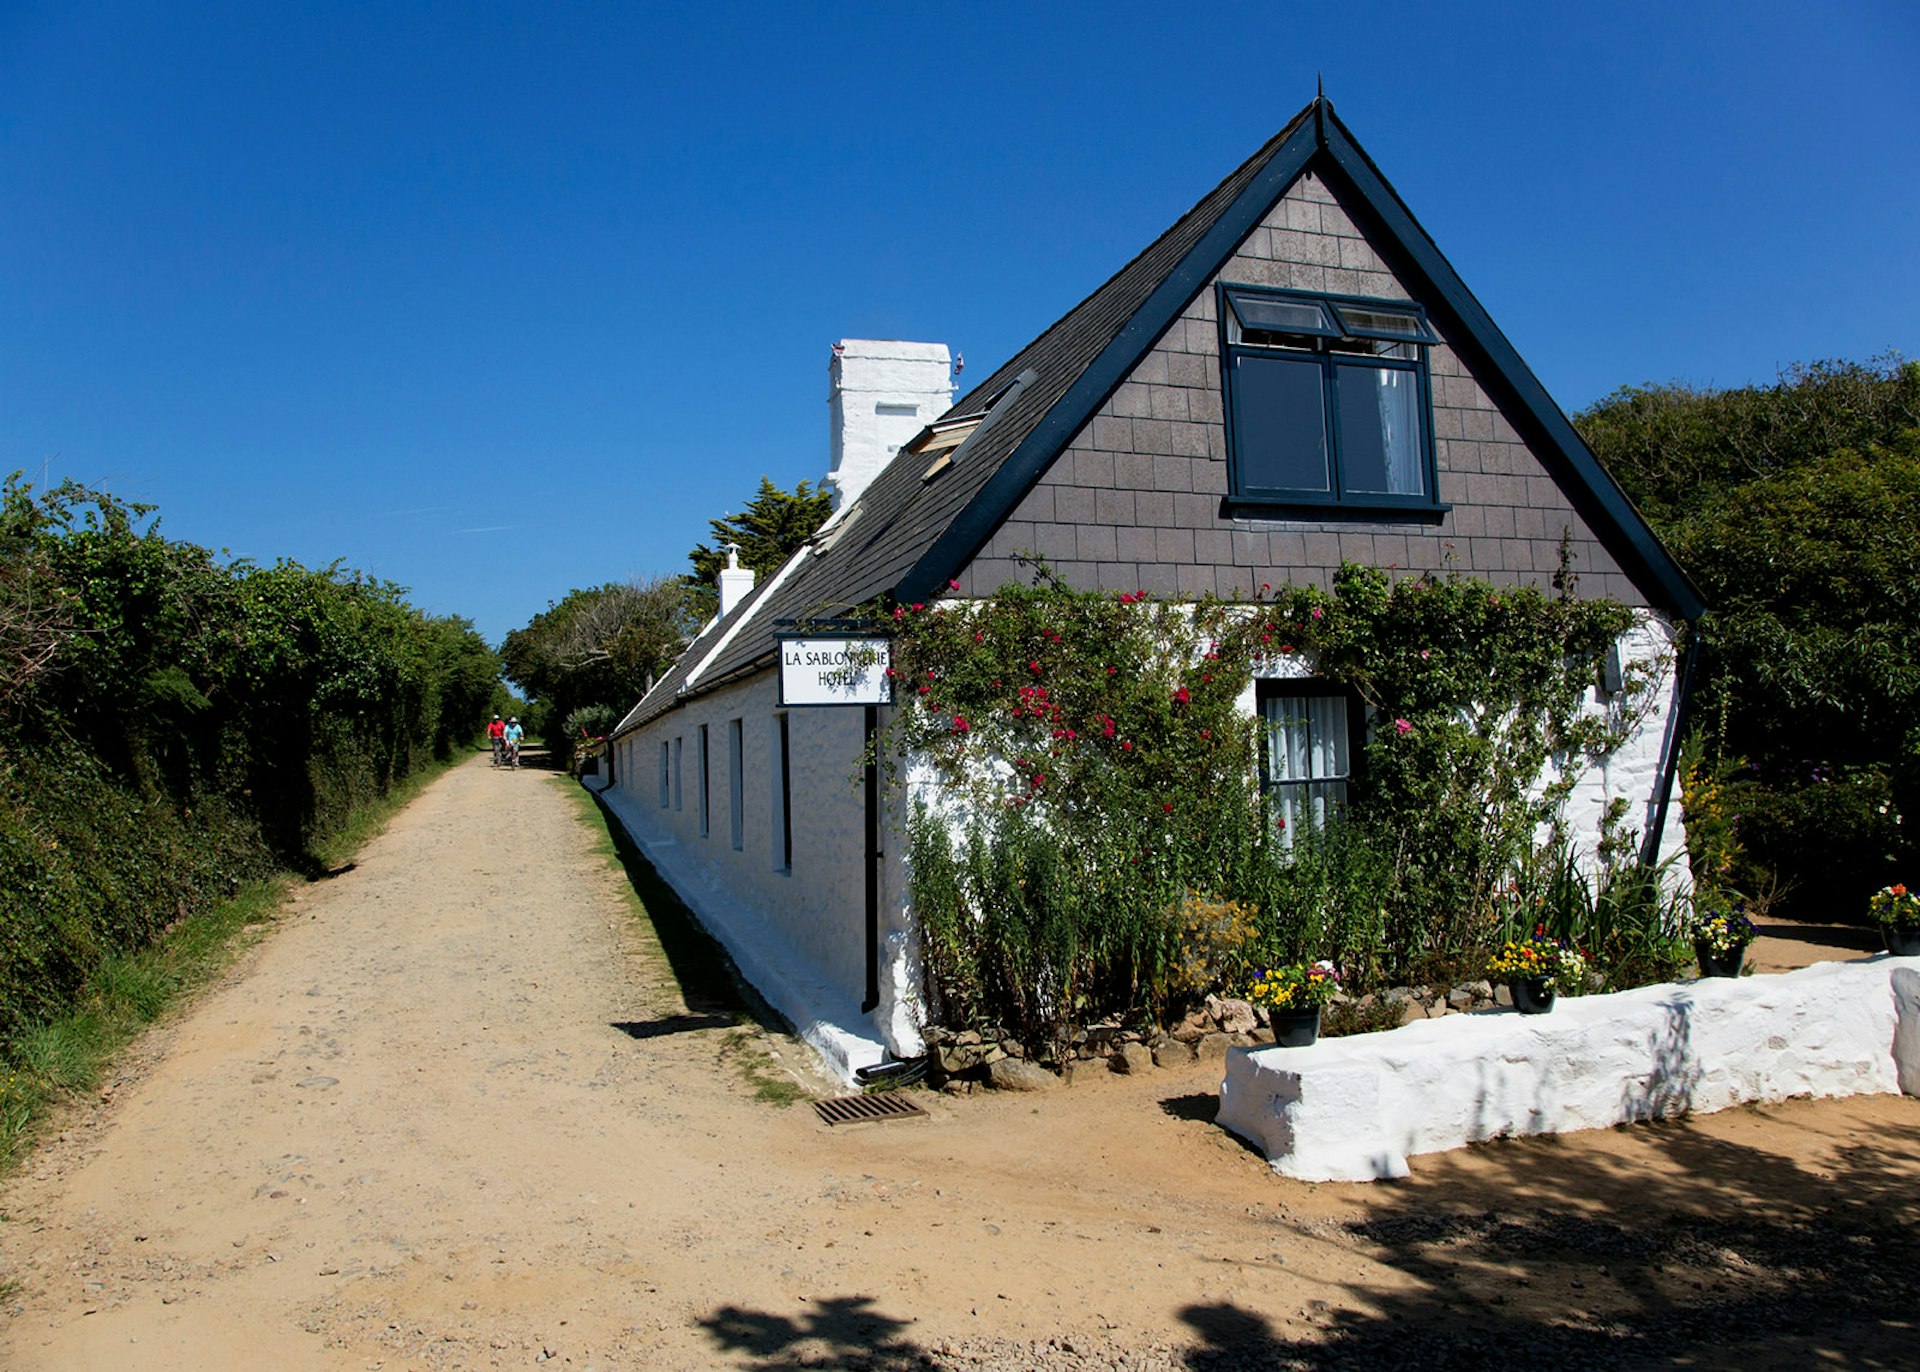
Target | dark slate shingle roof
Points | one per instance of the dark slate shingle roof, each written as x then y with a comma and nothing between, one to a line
901,516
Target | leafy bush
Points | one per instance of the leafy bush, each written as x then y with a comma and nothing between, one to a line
1796,508
174,726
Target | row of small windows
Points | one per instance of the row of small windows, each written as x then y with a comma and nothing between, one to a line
781,791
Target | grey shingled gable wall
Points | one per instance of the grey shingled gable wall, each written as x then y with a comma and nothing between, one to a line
1134,500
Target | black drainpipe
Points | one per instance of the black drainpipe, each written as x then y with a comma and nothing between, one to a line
1683,707
873,865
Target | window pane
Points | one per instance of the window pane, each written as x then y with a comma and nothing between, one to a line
1374,321
1307,738
1286,741
1380,436
1324,801
1280,424
1267,314
1327,722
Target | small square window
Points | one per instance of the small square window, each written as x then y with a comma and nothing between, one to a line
1327,401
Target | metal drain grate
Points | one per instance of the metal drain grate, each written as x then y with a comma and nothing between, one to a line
882,1105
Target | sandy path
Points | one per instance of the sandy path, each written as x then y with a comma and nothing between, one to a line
408,1131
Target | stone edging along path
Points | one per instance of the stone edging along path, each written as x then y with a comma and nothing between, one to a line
1354,1109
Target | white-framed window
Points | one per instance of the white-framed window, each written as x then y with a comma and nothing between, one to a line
679,791
736,782
1311,737
666,774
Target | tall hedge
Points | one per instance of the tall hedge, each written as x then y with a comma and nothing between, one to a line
172,724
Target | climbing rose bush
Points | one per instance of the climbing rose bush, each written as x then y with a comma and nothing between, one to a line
1097,767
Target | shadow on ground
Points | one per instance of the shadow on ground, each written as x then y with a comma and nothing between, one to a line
709,983
1842,938
1673,1249
1676,1249
672,1024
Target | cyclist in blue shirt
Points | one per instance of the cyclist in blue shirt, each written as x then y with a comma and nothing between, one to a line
512,739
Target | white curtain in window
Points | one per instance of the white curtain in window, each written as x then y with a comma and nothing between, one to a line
1400,431
1307,742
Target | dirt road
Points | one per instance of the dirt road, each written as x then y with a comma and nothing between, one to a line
454,1111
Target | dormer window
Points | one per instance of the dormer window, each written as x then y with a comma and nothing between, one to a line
1327,400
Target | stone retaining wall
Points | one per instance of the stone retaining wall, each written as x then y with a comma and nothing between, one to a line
1355,1109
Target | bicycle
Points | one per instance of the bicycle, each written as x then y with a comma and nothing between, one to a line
499,752
512,747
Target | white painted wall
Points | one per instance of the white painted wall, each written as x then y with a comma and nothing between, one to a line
880,394
1356,1108
799,932
1633,771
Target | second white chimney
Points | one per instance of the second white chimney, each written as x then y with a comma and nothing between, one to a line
736,582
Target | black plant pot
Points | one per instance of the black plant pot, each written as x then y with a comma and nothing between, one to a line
1530,995
1714,964
1902,940
1296,1028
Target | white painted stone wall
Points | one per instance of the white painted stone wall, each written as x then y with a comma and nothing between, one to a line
799,934
1356,1108
1633,771
880,394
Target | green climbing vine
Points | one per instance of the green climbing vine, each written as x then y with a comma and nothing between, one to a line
1097,764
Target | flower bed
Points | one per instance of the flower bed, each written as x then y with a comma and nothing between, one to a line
1355,1109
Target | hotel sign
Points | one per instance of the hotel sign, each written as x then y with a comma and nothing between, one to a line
835,671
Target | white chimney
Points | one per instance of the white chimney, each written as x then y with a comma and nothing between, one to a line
881,393
735,581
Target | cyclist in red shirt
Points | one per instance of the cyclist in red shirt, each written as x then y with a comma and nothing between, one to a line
496,735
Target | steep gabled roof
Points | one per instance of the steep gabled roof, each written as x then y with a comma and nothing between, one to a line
907,534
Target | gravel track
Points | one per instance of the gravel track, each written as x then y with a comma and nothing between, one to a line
455,1110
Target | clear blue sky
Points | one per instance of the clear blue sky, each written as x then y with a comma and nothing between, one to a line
500,300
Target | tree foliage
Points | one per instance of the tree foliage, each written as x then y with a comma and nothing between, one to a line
1674,448
1796,509
774,525
601,646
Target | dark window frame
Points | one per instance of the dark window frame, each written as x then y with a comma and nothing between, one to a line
737,783
1311,688
706,783
784,796
1329,346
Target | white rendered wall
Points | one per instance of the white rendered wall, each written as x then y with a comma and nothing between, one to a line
1356,1108
880,394
1632,772
799,935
